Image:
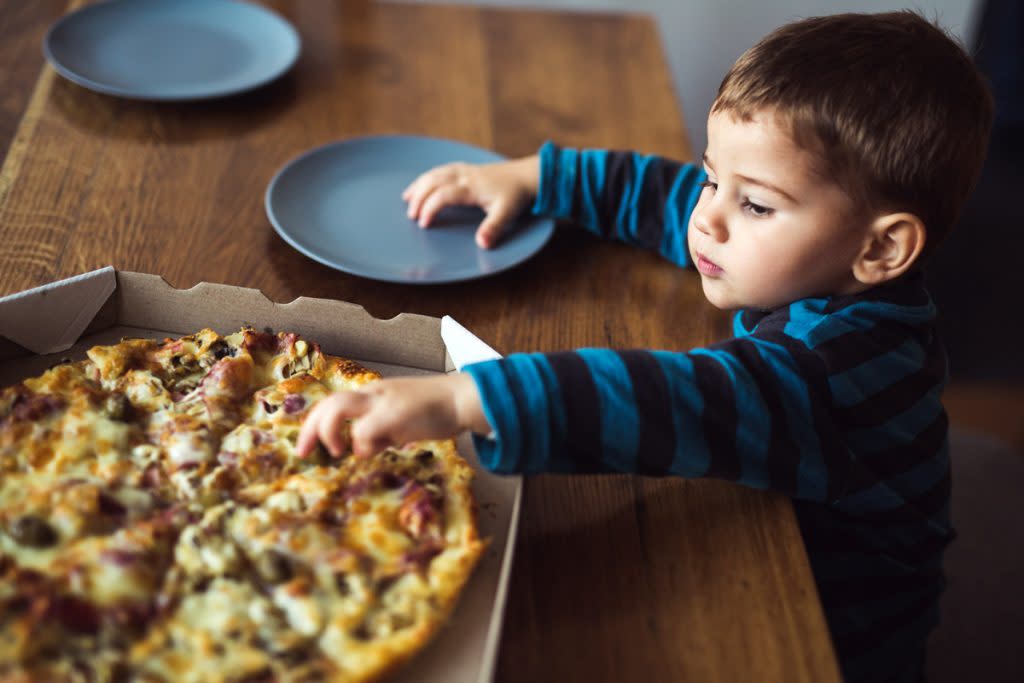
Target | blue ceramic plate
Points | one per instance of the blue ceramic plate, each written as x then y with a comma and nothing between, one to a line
171,49
341,205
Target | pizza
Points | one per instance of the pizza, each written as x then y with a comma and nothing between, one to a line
156,524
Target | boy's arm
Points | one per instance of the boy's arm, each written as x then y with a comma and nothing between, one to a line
745,410
641,200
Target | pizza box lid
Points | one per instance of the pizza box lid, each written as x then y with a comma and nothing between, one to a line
62,319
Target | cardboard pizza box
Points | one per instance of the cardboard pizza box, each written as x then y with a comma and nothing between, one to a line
40,327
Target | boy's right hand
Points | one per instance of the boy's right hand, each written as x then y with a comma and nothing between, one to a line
393,412
501,189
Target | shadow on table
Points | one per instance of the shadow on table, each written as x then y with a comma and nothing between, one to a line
174,122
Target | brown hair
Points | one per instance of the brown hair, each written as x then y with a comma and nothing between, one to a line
895,110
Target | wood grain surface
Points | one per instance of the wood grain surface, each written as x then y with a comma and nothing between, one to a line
616,578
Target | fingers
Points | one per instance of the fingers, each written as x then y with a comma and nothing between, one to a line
421,188
494,224
369,437
441,197
326,422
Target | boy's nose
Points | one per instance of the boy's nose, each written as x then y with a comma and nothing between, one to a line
711,222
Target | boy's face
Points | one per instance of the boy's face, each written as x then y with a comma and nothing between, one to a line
769,230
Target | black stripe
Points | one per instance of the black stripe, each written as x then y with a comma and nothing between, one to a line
838,303
879,408
582,409
849,592
619,172
900,458
657,183
811,369
657,438
909,291
922,507
859,643
783,455
718,419
855,347
822,537
750,318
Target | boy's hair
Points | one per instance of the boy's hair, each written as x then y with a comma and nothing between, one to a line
893,108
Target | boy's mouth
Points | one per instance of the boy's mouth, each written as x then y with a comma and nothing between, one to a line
707,266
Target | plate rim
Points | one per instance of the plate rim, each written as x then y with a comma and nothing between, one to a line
97,86
547,223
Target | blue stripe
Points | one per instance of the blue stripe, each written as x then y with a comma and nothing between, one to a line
870,377
738,330
502,413
806,315
682,200
691,457
530,392
594,164
557,181
620,423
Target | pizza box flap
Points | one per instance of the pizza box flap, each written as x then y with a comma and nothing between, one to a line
39,326
52,317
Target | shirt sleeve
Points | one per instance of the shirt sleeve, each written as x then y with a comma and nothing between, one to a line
644,201
741,410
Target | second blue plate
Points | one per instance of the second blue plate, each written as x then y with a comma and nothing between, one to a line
341,205
171,49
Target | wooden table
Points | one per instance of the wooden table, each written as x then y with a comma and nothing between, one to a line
616,578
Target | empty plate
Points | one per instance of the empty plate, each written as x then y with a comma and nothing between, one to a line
171,49
341,205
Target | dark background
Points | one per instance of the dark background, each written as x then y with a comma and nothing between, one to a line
977,277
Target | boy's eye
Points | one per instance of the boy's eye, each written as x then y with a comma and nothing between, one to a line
756,209
708,183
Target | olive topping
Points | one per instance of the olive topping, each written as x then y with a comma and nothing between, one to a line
221,349
32,531
273,567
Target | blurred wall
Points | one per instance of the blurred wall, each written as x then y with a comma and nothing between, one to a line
702,38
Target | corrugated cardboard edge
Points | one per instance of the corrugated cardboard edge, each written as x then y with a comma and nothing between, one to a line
148,302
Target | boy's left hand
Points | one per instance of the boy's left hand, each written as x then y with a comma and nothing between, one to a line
393,412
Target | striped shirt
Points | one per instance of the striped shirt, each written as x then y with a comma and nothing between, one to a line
833,401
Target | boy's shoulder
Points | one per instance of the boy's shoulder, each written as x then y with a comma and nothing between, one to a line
814,321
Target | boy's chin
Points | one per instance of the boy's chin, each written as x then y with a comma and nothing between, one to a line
717,295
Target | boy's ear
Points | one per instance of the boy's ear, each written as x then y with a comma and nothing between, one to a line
894,243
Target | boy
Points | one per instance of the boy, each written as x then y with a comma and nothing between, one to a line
840,151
